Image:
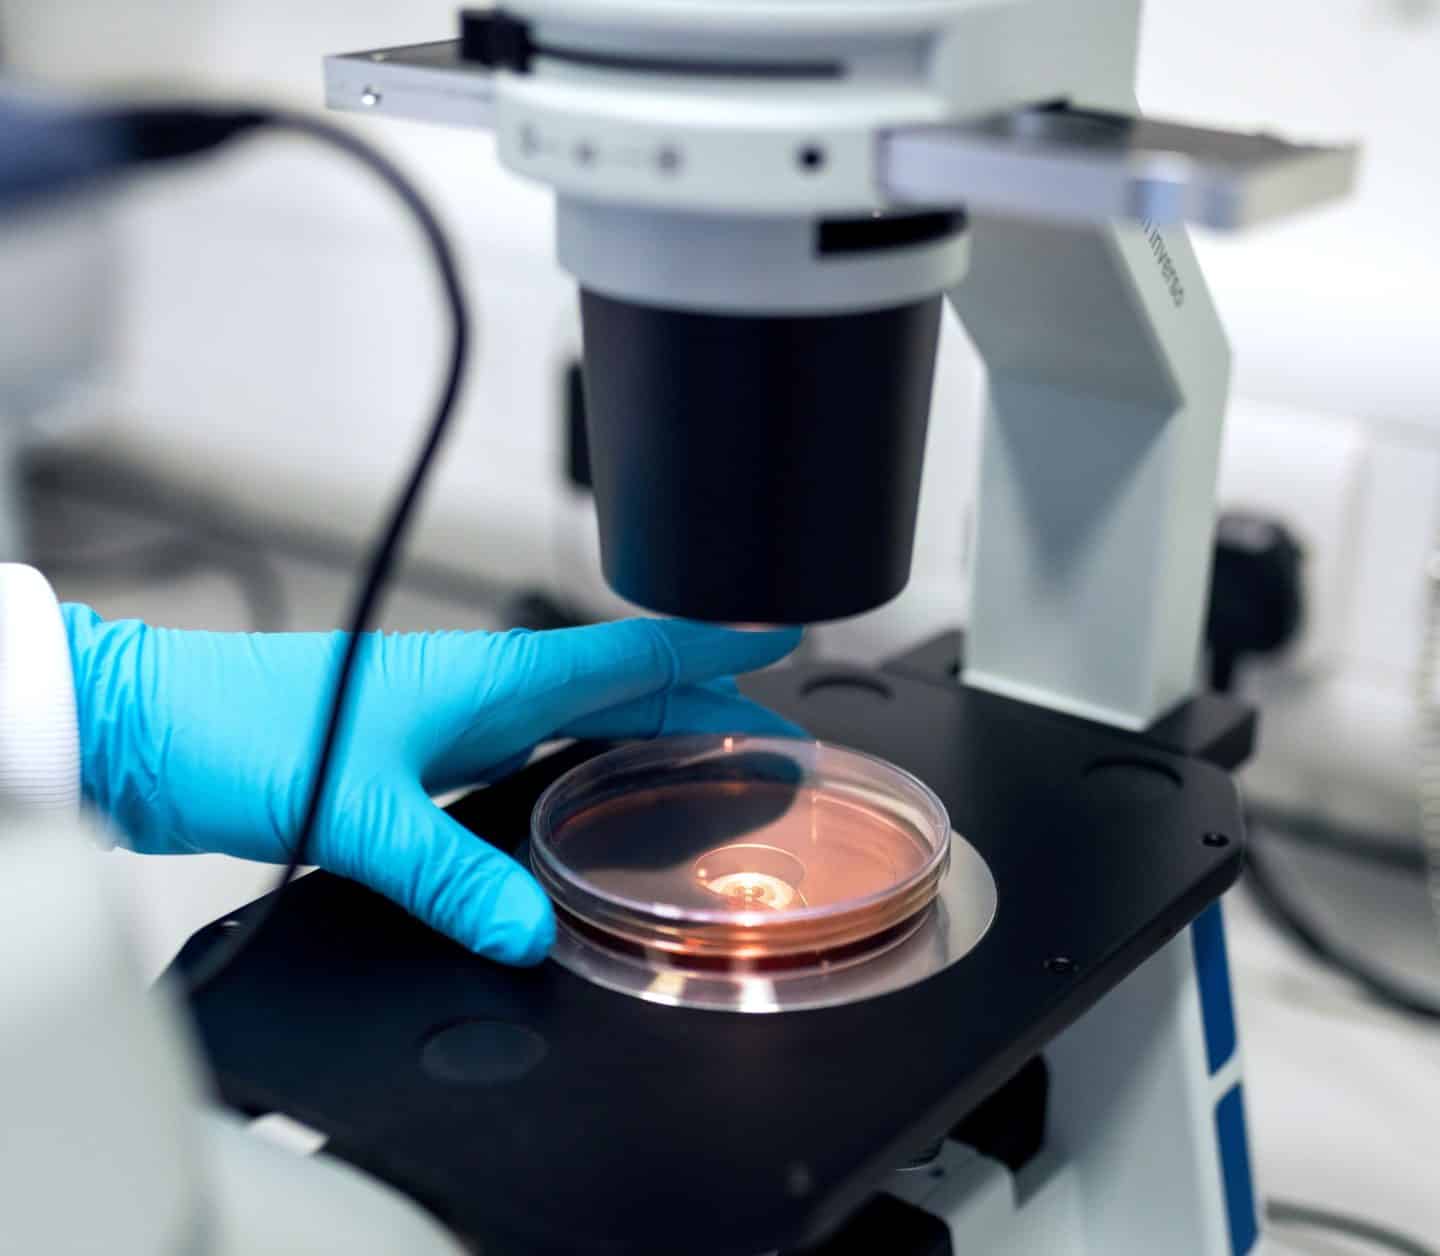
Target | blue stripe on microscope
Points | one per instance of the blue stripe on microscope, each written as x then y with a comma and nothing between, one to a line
1212,970
1235,1171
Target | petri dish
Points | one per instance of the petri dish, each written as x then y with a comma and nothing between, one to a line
739,855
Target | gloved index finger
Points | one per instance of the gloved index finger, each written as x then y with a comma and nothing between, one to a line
708,651
570,673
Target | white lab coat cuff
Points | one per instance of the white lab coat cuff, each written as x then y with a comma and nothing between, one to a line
39,732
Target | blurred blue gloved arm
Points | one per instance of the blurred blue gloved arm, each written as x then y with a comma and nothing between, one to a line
201,741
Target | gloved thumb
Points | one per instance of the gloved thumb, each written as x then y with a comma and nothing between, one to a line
455,882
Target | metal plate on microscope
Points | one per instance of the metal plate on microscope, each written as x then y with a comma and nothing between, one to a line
1089,166
951,929
423,82
1057,164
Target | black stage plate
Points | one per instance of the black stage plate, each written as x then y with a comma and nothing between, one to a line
616,1127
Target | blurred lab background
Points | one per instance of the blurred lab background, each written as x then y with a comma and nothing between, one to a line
240,355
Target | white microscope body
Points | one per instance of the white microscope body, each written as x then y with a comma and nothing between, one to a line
693,147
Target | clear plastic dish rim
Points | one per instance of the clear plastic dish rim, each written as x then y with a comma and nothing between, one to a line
684,750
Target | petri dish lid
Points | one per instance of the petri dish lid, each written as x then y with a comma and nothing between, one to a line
740,854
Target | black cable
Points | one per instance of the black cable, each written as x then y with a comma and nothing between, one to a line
1293,922
162,133
1284,1212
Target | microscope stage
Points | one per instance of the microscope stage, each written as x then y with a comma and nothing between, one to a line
539,1114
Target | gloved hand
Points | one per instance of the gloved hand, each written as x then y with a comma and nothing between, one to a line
203,741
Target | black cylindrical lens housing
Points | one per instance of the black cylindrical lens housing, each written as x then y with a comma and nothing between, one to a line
757,468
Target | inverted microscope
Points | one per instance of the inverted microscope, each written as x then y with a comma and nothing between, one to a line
765,204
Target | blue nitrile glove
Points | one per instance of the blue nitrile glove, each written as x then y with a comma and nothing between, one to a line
205,741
